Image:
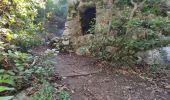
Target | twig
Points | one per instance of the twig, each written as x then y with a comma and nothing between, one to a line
134,9
136,6
35,61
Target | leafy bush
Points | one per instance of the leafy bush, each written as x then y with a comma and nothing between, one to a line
25,41
19,31
58,7
157,7
7,83
64,95
46,93
14,63
146,29
18,16
25,67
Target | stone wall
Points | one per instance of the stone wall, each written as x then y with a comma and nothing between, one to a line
104,12
103,15
73,26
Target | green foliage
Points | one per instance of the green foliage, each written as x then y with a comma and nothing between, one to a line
43,68
64,95
18,16
149,28
8,77
6,98
7,83
157,7
46,93
27,41
4,88
52,8
92,26
58,7
19,30
20,59
25,68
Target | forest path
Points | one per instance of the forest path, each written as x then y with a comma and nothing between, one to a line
88,79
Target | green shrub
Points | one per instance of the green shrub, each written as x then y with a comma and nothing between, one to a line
26,41
19,28
45,93
7,83
144,31
64,95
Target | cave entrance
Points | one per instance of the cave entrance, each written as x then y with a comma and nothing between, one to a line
88,20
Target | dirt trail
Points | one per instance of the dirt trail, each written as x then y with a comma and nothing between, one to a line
104,83
91,80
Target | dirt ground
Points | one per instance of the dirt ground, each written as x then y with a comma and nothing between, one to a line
88,79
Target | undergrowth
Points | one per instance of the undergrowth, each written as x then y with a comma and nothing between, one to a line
45,93
132,31
19,32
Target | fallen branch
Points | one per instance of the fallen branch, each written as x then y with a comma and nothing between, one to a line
83,74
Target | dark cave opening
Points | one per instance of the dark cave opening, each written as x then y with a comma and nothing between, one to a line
88,20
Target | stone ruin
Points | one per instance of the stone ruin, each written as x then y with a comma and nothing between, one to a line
99,12
82,16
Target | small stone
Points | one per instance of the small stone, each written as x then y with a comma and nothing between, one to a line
128,87
56,39
64,77
111,49
72,91
167,87
66,42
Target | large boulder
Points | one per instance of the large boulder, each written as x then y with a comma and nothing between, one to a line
155,56
150,57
